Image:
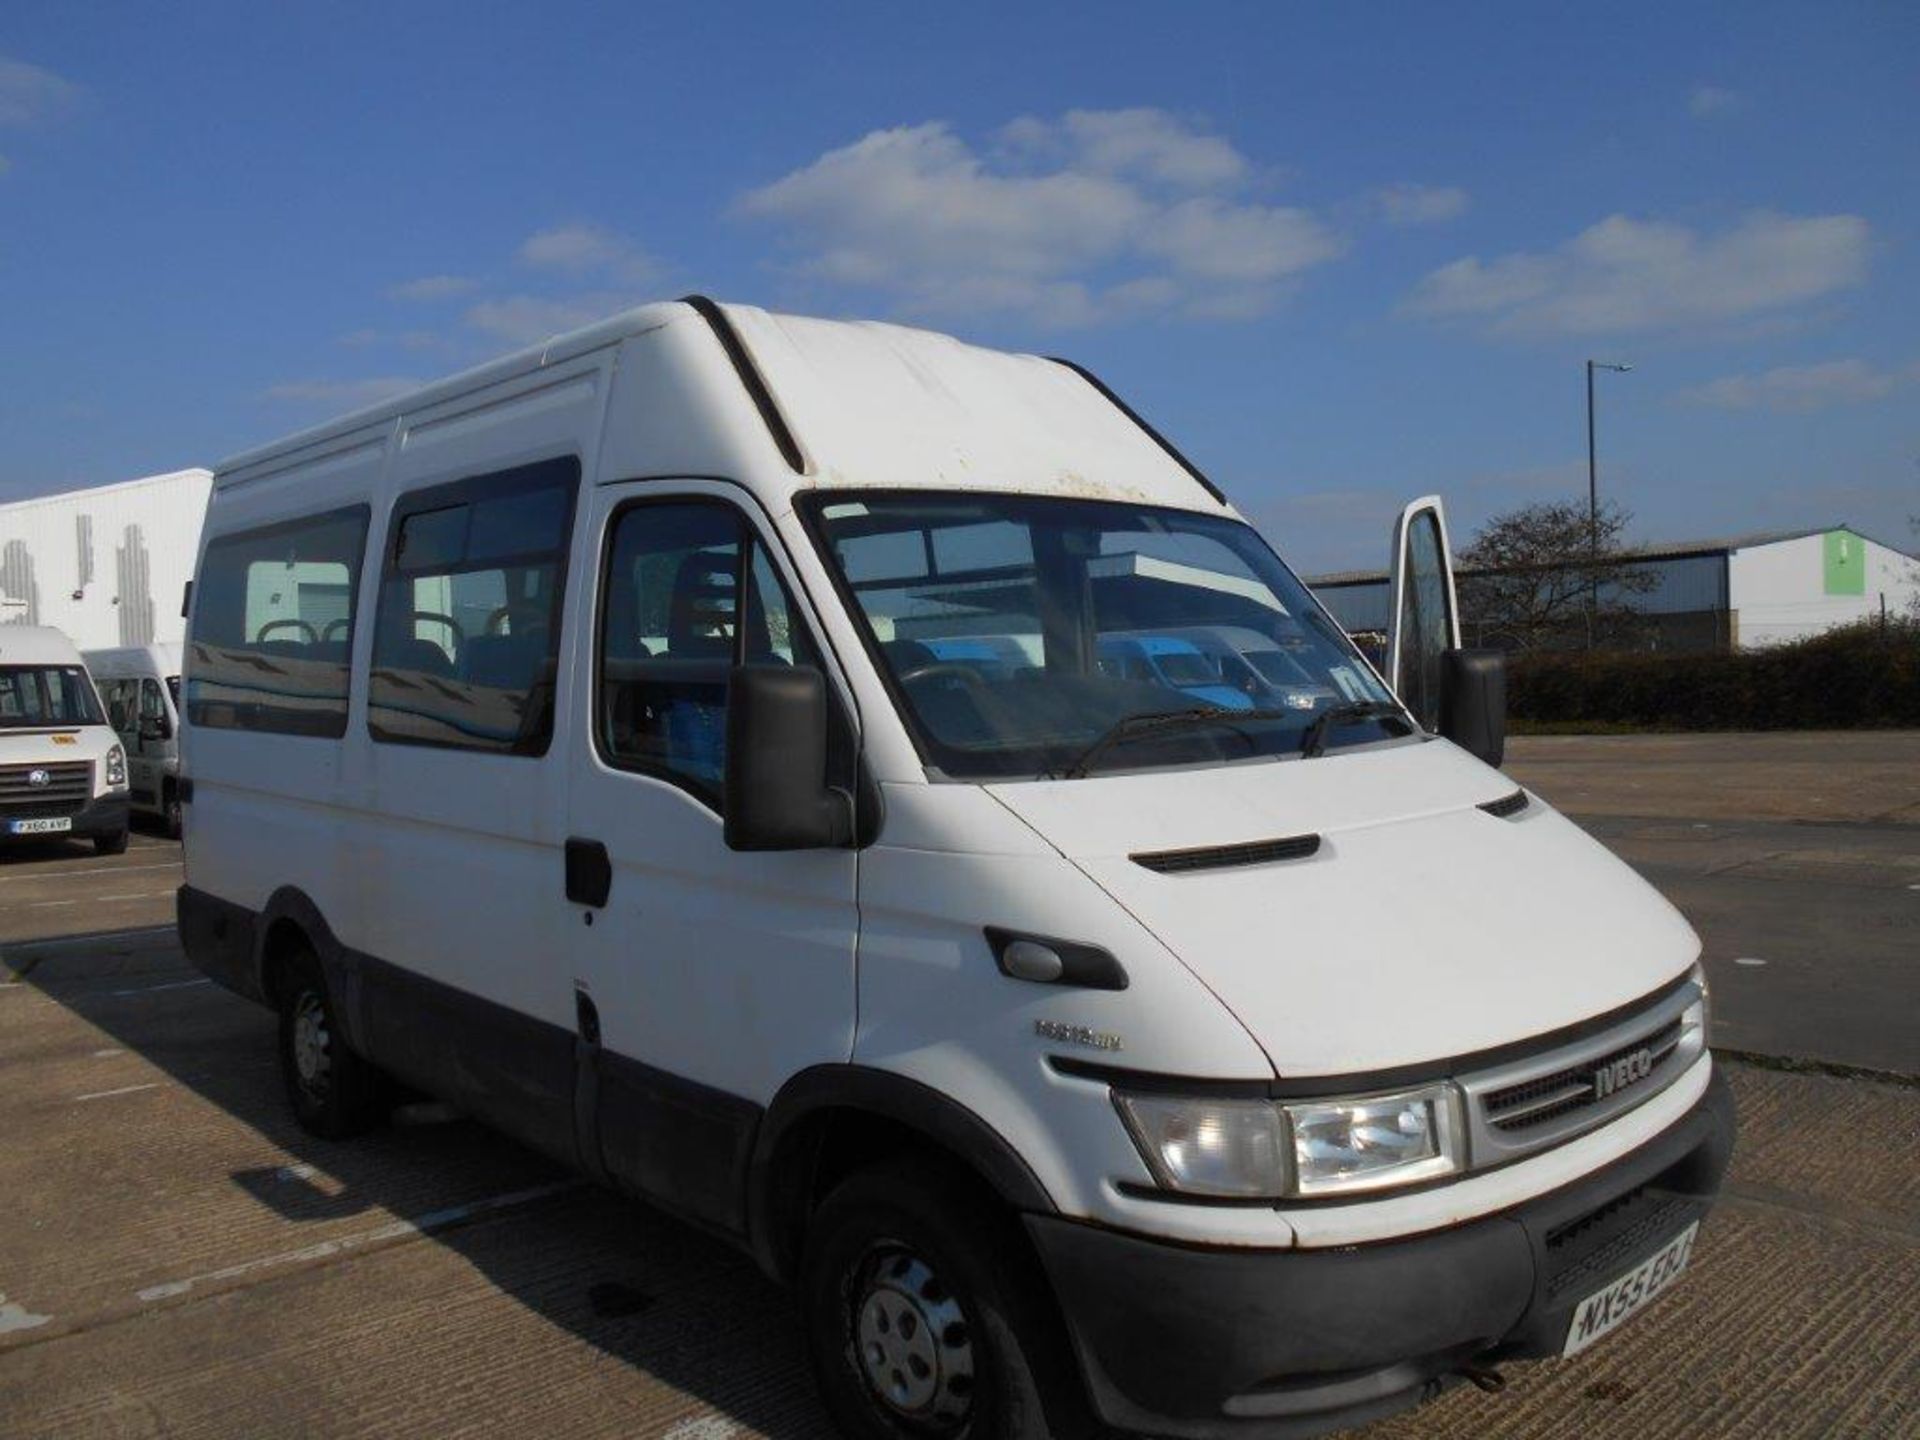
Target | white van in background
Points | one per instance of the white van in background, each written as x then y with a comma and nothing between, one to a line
694,747
140,687
63,773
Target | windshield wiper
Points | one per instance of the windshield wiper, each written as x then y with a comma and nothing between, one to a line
1314,742
1156,722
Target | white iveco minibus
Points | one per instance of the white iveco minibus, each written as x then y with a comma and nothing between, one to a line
873,797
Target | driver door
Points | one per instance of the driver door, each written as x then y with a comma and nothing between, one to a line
1423,612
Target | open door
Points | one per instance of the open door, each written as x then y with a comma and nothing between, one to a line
1423,616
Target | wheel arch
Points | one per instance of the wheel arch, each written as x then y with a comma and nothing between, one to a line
829,1120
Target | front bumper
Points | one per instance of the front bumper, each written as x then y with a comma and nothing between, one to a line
103,815
1195,1342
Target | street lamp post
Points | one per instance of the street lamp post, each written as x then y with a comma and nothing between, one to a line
1593,499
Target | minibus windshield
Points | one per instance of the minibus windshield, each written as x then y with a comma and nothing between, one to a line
1017,631
46,695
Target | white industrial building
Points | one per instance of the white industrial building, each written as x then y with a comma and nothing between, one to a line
109,565
1734,593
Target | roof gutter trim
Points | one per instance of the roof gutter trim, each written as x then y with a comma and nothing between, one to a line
742,360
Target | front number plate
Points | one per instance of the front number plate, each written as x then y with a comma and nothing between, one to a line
46,826
1606,1310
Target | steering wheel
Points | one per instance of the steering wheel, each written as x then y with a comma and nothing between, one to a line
313,636
536,615
948,668
434,617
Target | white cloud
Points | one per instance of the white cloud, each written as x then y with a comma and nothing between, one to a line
527,319
581,250
396,339
342,395
1146,144
1796,389
1625,274
1411,204
1710,100
1099,215
30,95
429,288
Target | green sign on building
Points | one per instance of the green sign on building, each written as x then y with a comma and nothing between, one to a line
1846,563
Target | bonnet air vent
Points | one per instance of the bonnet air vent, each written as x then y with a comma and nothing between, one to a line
1506,805
1227,857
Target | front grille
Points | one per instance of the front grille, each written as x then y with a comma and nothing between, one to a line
69,786
1636,1220
1225,857
1548,1097
1562,1090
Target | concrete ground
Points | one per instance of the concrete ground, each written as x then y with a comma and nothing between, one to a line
177,1258
1796,857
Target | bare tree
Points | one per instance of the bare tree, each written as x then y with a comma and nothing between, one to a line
1546,575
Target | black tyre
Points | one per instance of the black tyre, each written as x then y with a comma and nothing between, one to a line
170,813
925,1318
335,1094
114,844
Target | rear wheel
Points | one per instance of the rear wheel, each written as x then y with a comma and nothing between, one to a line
335,1094
114,844
922,1322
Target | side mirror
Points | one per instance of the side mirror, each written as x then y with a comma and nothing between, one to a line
155,727
1473,702
777,796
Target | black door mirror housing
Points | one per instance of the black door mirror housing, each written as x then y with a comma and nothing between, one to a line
1473,702
777,796
155,727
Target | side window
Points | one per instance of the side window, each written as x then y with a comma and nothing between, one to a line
273,613
689,593
466,643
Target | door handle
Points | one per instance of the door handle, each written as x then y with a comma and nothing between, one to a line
589,872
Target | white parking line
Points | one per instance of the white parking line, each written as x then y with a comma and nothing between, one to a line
170,985
360,1240
123,1090
49,904
135,895
1748,960
95,870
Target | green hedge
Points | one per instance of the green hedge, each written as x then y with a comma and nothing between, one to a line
1854,677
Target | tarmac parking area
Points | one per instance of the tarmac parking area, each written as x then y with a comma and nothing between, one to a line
178,1258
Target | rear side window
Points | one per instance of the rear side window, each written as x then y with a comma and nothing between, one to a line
466,643
273,613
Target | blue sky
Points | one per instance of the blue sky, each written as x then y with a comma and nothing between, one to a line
1340,255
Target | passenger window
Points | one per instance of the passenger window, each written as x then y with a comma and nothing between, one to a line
467,638
273,627
115,694
689,593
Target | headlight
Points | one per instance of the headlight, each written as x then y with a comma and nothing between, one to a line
116,768
1347,1145
1209,1147
1696,1015
1255,1149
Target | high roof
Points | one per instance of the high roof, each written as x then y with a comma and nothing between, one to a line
852,403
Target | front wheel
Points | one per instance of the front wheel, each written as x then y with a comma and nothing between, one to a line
921,1321
114,844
